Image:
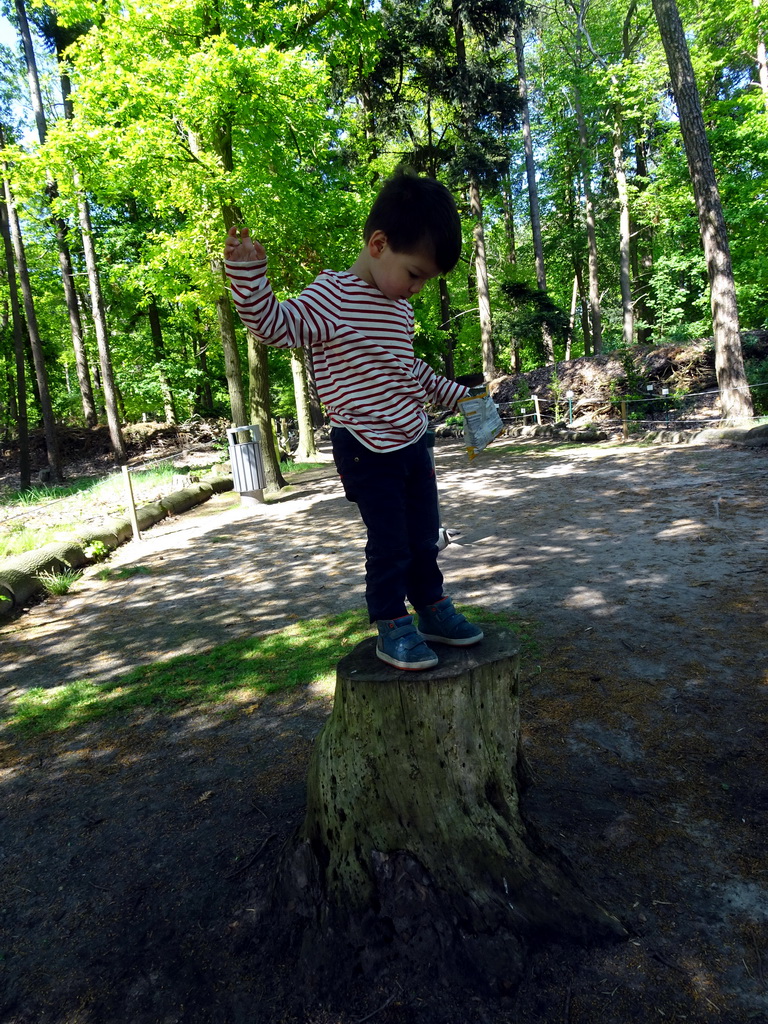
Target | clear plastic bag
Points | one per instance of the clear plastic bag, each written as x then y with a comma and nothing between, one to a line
482,422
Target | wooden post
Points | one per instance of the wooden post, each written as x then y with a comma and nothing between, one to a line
624,420
131,504
414,853
538,409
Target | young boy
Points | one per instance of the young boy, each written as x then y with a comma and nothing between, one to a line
358,326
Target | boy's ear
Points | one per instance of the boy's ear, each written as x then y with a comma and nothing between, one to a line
376,244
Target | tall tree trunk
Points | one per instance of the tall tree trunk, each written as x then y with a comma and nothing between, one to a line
595,315
571,200
735,398
258,373
41,373
232,366
586,329
642,259
203,395
261,412
509,222
100,324
60,227
446,327
476,210
627,307
481,272
620,174
572,317
158,346
307,448
762,61
22,422
533,191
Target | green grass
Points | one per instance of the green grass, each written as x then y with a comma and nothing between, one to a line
237,672
71,503
304,467
75,501
125,572
60,582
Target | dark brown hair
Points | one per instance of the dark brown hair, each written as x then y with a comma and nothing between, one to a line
417,213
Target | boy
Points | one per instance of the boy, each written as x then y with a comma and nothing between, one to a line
358,326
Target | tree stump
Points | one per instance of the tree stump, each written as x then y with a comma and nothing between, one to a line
413,854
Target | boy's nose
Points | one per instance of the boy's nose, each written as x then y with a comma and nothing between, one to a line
416,287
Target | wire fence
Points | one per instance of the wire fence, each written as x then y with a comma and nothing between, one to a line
657,410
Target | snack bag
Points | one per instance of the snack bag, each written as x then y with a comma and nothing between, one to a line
482,422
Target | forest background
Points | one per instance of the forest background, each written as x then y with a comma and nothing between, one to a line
135,135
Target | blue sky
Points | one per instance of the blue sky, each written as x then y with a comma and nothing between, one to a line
8,35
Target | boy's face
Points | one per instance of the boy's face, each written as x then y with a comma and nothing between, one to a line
399,275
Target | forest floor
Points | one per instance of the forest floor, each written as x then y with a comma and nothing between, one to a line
136,852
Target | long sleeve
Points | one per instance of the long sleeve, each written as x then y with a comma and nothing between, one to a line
366,373
296,323
442,391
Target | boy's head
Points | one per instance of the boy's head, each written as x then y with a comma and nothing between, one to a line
417,214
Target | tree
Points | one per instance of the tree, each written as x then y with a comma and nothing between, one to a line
307,448
413,854
22,423
530,173
729,363
41,372
61,228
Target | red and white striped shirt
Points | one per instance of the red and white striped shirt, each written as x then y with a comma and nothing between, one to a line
367,375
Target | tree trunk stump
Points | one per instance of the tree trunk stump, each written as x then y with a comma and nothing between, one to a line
413,855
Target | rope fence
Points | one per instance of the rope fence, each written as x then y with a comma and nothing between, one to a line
658,409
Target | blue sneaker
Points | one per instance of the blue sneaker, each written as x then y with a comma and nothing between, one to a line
400,644
441,622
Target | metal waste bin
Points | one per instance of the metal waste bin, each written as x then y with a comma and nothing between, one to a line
247,465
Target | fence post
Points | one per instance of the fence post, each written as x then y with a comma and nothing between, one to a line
131,504
538,409
624,418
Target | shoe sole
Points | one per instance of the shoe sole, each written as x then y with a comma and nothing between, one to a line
406,666
460,642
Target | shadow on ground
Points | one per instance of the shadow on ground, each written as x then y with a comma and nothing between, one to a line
136,852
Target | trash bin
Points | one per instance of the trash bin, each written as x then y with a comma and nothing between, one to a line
247,466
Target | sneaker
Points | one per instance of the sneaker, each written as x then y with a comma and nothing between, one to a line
441,621
400,644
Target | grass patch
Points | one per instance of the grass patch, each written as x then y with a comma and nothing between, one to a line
304,467
125,572
59,583
73,502
240,670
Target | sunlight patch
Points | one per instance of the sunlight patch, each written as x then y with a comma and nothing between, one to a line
680,528
586,598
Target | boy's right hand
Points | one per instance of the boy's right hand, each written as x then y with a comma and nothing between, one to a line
241,248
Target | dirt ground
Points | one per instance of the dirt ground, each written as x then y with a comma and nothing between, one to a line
135,855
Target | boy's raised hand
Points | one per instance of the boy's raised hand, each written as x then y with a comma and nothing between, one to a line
241,248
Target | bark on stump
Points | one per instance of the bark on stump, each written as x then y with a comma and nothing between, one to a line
413,854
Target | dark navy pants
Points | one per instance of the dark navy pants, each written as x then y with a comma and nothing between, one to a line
396,493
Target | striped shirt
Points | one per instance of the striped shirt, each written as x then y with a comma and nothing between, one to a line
367,375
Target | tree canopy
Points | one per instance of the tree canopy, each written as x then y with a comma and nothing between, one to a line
173,121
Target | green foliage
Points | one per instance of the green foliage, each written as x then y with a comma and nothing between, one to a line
96,551
59,583
531,312
187,113
757,376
